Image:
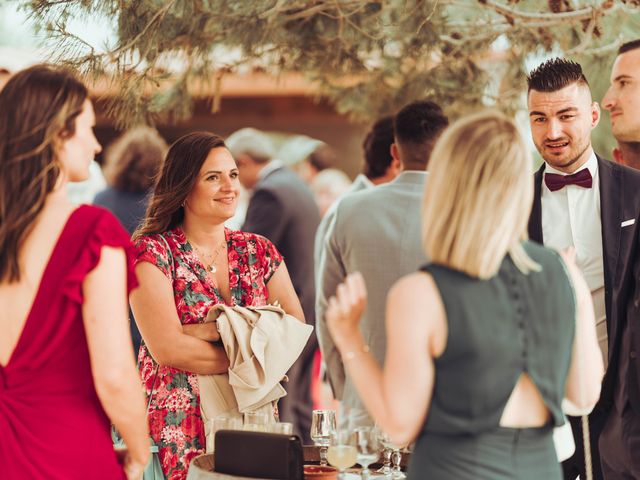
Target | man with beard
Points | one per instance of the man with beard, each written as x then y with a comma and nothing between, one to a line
620,399
581,201
623,102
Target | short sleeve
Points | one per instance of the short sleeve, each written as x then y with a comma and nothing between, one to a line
268,257
154,249
106,231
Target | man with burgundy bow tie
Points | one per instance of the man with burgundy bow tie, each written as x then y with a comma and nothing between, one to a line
580,201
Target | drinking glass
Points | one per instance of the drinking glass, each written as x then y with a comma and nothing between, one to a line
323,422
256,421
283,428
396,456
224,421
387,450
368,448
343,452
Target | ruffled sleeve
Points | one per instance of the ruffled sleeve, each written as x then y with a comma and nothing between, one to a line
268,257
153,249
106,231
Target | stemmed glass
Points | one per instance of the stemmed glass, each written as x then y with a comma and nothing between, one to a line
368,448
385,440
323,422
343,452
396,472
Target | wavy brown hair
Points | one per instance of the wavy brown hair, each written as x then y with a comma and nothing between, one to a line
177,178
38,109
132,162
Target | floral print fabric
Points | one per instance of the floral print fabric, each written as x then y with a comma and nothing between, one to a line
174,413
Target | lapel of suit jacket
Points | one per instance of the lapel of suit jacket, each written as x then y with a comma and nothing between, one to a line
611,193
535,219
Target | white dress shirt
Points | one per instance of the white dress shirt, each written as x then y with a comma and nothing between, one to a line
571,217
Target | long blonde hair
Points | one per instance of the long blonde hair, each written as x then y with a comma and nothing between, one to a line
478,196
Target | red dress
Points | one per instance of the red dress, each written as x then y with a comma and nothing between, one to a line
174,416
52,425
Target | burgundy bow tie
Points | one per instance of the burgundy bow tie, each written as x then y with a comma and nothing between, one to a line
556,182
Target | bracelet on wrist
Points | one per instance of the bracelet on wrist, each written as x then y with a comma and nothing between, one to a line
351,354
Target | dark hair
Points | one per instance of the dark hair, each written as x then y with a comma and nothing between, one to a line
322,157
626,47
38,110
132,162
377,148
555,74
416,128
177,177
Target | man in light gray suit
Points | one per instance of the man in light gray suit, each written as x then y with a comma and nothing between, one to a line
379,167
377,232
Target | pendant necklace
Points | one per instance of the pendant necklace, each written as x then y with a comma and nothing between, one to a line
210,266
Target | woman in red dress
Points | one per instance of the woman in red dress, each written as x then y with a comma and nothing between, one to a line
66,363
187,262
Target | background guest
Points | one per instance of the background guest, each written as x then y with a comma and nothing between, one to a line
623,101
132,163
187,262
620,400
65,353
485,341
283,210
329,185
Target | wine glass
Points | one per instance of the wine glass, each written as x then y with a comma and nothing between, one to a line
388,447
323,422
396,457
368,448
342,452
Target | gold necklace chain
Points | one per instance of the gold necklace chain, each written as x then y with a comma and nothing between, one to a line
210,266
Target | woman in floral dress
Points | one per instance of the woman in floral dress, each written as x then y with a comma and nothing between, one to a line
187,262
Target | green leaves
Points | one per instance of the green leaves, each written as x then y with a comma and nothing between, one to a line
367,57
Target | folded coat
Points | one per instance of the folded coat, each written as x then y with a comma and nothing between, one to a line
262,343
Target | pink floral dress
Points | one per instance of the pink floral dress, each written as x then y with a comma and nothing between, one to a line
174,414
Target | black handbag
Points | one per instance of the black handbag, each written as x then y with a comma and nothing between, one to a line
258,454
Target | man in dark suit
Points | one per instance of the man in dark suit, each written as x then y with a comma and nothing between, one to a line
581,201
282,208
620,399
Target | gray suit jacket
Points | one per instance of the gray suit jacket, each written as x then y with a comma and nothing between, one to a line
378,233
360,183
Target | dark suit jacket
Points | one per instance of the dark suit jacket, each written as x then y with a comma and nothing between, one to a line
619,202
282,208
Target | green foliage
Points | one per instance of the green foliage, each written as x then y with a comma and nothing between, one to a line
367,57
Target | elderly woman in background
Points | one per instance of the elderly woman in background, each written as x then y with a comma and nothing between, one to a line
497,330
187,262
66,365
132,163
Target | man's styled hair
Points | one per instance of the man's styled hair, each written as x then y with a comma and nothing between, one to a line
626,47
377,148
555,74
416,128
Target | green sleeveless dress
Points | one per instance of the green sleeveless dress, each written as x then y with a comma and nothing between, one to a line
498,329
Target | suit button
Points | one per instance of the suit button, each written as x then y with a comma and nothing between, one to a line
633,354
